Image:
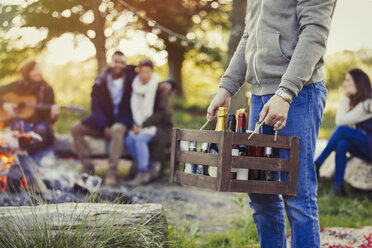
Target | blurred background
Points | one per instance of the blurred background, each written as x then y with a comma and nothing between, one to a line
190,41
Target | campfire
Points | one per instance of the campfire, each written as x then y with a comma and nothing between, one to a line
15,175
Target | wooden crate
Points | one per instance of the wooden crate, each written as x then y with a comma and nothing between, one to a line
225,161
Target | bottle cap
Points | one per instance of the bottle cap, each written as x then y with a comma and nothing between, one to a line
193,144
205,146
222,111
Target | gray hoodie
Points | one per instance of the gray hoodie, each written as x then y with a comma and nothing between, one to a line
283,45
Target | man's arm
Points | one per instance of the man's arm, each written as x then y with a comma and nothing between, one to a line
314,19
232,80
234,76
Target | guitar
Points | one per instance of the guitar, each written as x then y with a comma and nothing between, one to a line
26,106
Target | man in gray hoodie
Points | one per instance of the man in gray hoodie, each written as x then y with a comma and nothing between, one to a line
281,55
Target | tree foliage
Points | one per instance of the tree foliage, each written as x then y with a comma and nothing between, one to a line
94,18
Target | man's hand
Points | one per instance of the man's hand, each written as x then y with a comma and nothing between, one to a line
222,99
10,109
107,132
275,113
54,111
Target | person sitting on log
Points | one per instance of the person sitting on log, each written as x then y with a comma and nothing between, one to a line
153,121
17,99
353,133
110,117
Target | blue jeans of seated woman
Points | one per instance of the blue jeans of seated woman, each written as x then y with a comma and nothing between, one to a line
345,139
304,119
138,148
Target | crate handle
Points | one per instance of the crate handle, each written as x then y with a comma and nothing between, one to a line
205,124
258,127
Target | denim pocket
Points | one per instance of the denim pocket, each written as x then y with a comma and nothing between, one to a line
321,93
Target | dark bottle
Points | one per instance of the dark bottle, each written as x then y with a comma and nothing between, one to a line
202,169
269,154
242,174
255,151
189,167
231,126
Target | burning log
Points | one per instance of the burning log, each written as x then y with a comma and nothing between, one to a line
17,169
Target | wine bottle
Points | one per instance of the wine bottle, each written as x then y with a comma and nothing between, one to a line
269,154
220,126
242,174
202,169
189,167
231,127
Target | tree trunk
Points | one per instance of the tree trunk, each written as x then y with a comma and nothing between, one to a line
99,40
237,18
176,55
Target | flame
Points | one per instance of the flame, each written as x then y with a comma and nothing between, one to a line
6,161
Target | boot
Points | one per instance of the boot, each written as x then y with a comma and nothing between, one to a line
89,169
155,170
339,190
141,178
111,178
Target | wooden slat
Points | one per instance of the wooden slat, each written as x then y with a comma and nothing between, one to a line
198,158
261,140
200,136
223,176
293,170
175,148
259,187
258,163
196,180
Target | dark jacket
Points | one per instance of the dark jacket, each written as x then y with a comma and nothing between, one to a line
40,90
162,119
102,108
367,127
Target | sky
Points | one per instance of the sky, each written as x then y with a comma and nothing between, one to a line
351,30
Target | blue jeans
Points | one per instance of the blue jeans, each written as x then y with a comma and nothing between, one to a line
138,148
304,119
345,139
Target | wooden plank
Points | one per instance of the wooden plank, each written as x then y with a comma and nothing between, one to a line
259,163
294,163
198,158
223,175
196,180
261,140
259,187
174,165
209,136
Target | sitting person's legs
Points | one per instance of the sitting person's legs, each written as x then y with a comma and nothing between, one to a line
343,140
82,149
46,133
356,138
138,148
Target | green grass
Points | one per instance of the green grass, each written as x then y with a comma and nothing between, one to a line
78,230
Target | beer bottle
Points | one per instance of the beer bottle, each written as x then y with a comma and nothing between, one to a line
242,174
189,167
231,127
201,169
269,154
220,126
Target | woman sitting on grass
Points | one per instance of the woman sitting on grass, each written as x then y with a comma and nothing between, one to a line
353,133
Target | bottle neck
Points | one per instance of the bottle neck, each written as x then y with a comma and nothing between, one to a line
231,125
220,126
241,125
